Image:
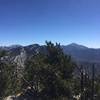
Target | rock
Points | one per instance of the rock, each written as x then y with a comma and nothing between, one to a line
10,98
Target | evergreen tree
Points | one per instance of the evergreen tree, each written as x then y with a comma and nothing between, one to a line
3,74
9,83
49,75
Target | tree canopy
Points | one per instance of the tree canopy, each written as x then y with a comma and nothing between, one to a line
49,75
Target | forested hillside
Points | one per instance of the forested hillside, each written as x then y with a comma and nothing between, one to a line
45,73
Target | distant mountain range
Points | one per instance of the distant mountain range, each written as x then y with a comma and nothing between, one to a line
78,52
81,53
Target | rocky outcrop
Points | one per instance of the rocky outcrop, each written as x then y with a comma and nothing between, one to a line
21,58
10,98
27,95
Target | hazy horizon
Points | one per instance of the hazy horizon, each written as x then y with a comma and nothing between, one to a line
27,22
52,42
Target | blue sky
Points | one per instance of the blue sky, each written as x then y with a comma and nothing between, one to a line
65,21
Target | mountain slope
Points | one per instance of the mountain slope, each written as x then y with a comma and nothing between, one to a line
79,53
82,54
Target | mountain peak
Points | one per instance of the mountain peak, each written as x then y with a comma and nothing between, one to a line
77,46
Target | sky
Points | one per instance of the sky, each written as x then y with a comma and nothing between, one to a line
64,21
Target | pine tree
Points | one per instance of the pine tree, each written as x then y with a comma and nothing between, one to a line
9,83
49,75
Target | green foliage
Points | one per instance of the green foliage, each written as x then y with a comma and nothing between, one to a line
3,74
47,76
50,75
9,83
